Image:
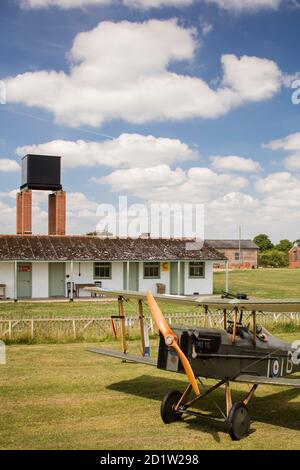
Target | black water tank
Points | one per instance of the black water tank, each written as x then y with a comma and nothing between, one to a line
41,172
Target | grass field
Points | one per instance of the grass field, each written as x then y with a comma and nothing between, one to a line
265,283
62,397
268,283
58,396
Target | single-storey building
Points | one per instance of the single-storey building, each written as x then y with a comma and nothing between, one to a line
34,266
241,254
294,256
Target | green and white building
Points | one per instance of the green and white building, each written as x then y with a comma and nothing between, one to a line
41,267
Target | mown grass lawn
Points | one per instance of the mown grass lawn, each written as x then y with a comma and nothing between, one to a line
62,397
265,283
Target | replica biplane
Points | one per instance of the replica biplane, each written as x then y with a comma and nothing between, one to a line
242,351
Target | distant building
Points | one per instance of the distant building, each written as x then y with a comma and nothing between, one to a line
247,258
294,256
37,266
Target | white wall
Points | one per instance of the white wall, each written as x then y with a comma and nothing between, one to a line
86,276
40,280
202,286
150,284
7,276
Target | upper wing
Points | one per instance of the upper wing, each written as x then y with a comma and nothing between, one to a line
267,305
281,381
127,295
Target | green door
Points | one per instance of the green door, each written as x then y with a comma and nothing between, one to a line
133,276
24,281
174,278
57,276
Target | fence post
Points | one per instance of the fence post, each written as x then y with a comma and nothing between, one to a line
9,329
32,329
74,328
151,326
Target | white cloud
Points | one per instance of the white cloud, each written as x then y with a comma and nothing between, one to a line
147,4
120,71
7,165
235,163
277,182
161,183
235,5
291,143
64,4
253,78
206,28
246,5
126,151
274,209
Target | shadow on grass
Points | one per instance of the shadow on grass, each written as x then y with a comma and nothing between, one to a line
275,409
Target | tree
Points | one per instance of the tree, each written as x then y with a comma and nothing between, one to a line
284,245
274,259
263,242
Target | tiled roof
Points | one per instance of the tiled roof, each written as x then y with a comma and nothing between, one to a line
84,248
232,244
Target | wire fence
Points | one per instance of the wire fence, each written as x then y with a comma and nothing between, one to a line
103,327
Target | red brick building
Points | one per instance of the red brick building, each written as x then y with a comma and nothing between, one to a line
241,254
294,256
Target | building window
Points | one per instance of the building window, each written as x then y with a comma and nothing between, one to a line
151,270
102,270
237,256
295,255
197,270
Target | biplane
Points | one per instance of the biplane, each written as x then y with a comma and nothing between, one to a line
241,351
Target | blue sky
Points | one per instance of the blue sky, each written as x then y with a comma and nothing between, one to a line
182,126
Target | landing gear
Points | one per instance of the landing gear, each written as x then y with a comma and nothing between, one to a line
236,416
168,405
239,421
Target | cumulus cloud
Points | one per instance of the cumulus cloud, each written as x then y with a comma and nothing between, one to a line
7,165
128,150
235,163
231,5
246,5
161,183
291,144
121,71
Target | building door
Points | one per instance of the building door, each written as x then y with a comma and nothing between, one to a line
174,278
24,280
133,274
57,276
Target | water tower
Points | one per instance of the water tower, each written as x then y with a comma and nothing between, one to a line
43,173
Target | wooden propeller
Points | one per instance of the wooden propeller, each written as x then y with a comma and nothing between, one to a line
171,339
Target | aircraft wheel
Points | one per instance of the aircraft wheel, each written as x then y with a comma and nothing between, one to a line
239,421
167,409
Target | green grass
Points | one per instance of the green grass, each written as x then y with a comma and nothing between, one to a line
264,283
62,397
74,309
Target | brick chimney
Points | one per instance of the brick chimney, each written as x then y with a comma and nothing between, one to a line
57,213
24,212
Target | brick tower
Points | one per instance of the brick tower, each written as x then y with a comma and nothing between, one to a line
24,212
57,213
